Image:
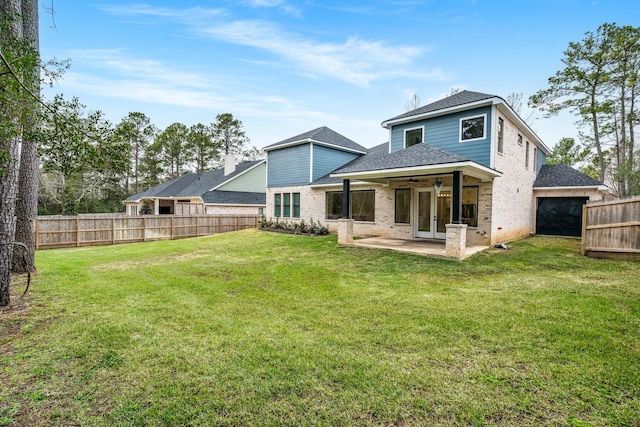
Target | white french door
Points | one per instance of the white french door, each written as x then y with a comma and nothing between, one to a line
433,212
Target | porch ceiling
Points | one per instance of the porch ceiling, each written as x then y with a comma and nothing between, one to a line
468,168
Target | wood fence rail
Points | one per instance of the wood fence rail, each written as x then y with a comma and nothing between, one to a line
83,230
611,229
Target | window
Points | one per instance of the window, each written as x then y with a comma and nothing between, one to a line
472,128
260,211
526,155
403,205
363,205
470,206
286,205
277,205
334,205
412,137
520,140
134,210
535,159
500,135
296,205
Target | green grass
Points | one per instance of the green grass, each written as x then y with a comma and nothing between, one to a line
255,328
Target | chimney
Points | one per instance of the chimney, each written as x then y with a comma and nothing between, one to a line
229,164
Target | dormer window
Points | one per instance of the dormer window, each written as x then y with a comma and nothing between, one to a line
413,136
473,128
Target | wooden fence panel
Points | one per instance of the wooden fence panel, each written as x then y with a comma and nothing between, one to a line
612,229
85,230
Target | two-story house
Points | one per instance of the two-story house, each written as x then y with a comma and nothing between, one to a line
466,164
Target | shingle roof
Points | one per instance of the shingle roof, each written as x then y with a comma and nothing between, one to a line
563,176
416,155
193,184
321,134
461,98
377,151
234,198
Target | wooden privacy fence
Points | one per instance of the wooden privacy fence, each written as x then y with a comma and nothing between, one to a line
611,229
74,231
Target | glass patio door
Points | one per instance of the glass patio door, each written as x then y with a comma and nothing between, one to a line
433,212
423,214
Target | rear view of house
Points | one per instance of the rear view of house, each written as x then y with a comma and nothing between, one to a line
467,163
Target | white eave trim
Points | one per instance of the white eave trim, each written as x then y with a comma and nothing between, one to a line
339,184
313,141
467,167
574,187
489,101
238,175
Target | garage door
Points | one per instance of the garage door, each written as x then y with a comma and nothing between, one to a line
560,216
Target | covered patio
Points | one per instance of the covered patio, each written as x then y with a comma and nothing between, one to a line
429,248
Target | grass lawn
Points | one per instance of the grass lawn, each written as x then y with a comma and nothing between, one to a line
256,328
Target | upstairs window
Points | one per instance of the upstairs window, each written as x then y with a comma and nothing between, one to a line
412,137
520,140
535,159
473,128
526,155
500,135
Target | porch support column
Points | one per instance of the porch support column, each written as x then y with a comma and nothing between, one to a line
346,198
345,224
156,206
456,198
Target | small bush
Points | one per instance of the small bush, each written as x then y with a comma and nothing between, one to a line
311,228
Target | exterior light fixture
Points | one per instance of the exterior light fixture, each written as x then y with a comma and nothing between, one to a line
438,186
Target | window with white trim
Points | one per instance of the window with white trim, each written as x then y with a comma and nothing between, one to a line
413,136
473,128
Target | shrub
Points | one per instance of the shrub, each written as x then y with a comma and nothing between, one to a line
301,227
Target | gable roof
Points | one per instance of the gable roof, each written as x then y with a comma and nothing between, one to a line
323,136
194,184
456,100
563,176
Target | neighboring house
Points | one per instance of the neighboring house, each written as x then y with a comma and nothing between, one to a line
467,160
234,189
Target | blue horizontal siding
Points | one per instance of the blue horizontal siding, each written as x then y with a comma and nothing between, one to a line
327,159
444,132
289,166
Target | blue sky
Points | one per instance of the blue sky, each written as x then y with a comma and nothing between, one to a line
285,67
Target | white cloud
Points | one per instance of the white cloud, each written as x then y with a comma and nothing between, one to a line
354,60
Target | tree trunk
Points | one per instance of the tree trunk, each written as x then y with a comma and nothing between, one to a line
9,151
27,206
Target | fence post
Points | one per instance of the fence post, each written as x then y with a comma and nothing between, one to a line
198,226
37,233
171,227
113,231
144,229
77,231
583,245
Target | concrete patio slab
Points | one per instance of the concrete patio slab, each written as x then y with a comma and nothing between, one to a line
430,248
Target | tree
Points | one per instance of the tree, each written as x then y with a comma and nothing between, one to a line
201,145
580,85
79,153
228,134
600,83
174,152
567,152
253,153
27,198
138,133
15,57
413,103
